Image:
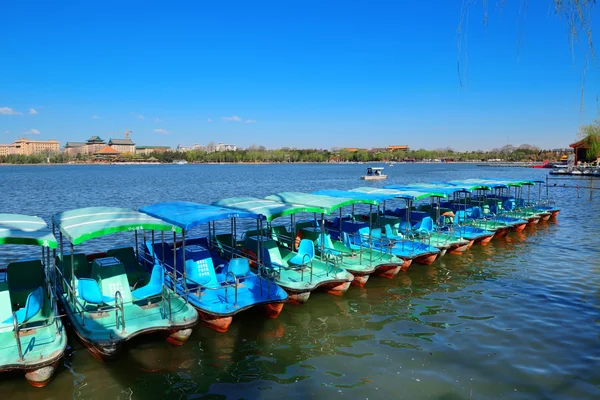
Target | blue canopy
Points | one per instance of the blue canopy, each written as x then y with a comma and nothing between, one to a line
186,214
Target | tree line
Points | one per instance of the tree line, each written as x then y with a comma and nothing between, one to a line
287,155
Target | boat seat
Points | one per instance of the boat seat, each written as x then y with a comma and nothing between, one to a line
426,225
348,243
201,271
90,292
154,287
324,240
305,254
33,305
136,275
23,278
240,268
389,233
476,213
5,302
460,217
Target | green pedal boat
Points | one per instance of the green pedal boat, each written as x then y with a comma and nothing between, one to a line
32,336
109,297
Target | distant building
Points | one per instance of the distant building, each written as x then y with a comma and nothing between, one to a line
196,147
395,148
27,147
106,153
144,150
73,148
122,145
225,147
351,149
94,144
580,150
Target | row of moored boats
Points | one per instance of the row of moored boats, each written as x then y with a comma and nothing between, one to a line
191,262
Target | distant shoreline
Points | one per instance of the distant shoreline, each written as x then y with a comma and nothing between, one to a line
366,164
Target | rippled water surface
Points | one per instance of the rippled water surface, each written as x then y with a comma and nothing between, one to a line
515,319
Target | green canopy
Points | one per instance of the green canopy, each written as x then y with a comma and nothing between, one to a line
327,203
269,209
88,223
401,193
25,229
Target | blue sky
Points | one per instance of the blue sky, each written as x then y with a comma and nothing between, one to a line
293,73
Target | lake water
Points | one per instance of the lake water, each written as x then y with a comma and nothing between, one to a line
518,318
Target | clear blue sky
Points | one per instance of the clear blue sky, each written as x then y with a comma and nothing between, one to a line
292,73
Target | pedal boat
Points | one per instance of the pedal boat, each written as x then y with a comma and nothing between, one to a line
32,336
293,265
108,297
211,272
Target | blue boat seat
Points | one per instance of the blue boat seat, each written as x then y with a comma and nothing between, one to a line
324,239
389,233
476,213
201,272
306,252
154,287
460,217
90,292
33,305
363,234
348,243
426,225
509,205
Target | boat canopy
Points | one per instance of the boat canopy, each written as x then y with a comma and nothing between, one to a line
473,184
327,203
379,198
406,194
512,182
88,223
186,214
268,209
446,189
25,229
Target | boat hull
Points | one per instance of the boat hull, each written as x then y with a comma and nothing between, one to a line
502,232
519,227
426,259
336,288
388,270
460,248
484,240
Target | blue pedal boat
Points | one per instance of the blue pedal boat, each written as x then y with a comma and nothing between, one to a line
109,298
32,336
211,271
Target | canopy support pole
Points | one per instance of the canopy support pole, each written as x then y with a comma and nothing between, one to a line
175,260
72,274
137,254
322,235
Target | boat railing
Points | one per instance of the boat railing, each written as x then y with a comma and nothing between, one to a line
165,292
178,276
77,307
119,307
307,261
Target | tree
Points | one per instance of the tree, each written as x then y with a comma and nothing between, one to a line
591,134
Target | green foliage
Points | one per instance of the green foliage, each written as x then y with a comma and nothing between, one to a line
258,154
591,134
